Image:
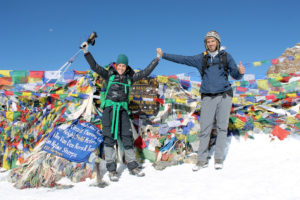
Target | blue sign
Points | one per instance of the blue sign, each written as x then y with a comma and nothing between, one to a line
75,142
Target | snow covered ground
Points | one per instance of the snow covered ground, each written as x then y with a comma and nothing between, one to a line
254,169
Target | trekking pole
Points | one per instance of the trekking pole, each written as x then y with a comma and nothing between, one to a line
66,66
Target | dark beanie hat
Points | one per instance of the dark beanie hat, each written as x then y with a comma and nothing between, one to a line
122,58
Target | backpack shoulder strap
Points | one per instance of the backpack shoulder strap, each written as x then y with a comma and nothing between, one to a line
225,63
129,86
204,63
110,80
103,94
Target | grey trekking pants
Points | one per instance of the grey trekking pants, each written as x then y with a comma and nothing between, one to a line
214,108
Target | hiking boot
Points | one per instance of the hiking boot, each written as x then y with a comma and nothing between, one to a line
137,172
200,165
218,164
113,176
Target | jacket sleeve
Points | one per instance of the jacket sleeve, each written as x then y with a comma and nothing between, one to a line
146,72
186,60
95,67
233,68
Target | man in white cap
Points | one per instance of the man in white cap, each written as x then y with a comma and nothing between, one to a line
214,66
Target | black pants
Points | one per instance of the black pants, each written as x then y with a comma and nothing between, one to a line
124,130
124,134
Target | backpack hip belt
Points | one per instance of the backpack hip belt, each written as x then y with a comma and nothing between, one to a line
116,111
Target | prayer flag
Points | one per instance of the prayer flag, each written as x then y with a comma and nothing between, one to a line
36,74
280,133
281,59
19,76
5,73
6,81
162,79
274,61
262,84
249,77
256,64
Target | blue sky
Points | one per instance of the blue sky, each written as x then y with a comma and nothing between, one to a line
43,35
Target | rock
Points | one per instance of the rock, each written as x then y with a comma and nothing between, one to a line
287,66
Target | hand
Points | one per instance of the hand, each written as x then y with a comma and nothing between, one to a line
84,47
241,68
159,52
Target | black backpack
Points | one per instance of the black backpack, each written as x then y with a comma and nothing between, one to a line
222,60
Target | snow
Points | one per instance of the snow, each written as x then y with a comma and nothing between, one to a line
254,169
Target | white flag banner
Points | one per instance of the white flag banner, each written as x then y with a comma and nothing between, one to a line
249,77
52,74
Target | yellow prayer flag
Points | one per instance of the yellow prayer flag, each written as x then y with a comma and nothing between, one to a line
256,64
79,83
274,92
6,164
262,84
181,101
34,80
9,116
61,91
277,76
239,123
180,137
291,95
73,95
195,92
26,94
258,125
237,83
57,108
89,90
5,73
297,57
291,120
25,136
235,100
162,79
77,104
95,75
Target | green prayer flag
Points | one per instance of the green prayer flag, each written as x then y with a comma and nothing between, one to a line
274,82
19,76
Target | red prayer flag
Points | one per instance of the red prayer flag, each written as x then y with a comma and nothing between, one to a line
285,79
241,89
79,72
36,74
54,96
6,81
272,96
139,143
8,93
161,101
280,133
72,83
274,61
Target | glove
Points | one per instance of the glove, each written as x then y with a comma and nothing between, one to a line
158,56
159,53
84,47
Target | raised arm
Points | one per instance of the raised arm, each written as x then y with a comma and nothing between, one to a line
193,61
235,71
90,59
147,71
